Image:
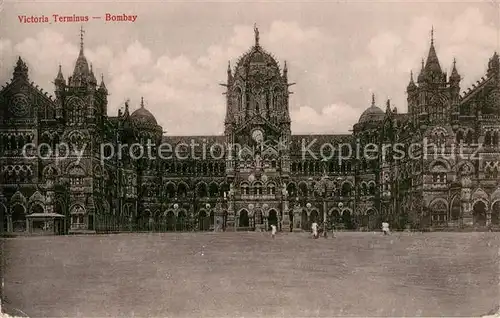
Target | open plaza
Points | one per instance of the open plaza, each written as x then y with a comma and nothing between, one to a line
248,274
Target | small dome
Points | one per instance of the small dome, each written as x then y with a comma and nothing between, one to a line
142,115
372,113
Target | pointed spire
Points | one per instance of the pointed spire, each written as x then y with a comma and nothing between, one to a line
256,32
454,77
60,77
432,64
229,74
81,73
285,71
21,70
420,78
411,85
493,65
92,78
102,86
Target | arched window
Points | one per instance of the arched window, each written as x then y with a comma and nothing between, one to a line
469,139
214,190
268,104
247,101
239,98
487,138
291,189
202,190
258,188
371,188
271,189
244,188
346,189
439,173
303,189
276,96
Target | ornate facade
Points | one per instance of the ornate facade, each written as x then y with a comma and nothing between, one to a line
261,174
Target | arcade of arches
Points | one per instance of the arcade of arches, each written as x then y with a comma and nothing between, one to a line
265,181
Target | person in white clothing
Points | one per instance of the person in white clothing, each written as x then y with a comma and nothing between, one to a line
385,228
273,230
314,228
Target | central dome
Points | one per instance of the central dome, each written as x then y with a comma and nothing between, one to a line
256,58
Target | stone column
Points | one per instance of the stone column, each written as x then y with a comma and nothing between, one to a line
297,220
285,220
49,197
488,217
466,214
325,214
9,223
232,220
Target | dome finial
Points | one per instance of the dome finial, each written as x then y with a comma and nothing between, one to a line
256,31
432,34
81,37
126,106
373,99
142,102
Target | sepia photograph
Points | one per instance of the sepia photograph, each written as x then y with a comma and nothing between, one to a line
250,158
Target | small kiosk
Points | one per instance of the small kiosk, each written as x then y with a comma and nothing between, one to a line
45,223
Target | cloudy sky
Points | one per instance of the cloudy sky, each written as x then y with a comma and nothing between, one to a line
175,54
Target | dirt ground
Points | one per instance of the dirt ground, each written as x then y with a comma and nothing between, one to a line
251,275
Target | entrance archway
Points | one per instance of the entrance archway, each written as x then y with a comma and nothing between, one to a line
273,218
314,217
18,218
479,214
334,218
244,221
211,220
347,220
181,221
3,218
203,221
171,221
495,213
304,221
258,217
373,221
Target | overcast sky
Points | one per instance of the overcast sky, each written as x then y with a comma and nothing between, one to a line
175,54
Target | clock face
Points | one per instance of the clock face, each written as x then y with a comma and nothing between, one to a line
19,105
257,135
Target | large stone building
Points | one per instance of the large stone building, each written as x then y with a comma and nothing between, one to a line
261,174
